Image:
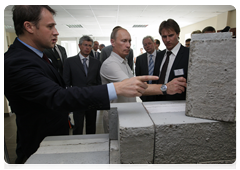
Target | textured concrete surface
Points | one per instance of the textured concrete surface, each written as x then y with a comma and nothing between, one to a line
136,134
181,139
113,123
211,88
114,152
74,149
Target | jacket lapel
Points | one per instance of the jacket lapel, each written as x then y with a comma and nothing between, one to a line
176,61
79,64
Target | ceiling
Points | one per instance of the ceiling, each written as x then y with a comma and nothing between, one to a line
99,20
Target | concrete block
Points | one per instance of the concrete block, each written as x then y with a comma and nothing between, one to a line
136,133
74,149
100,157
215,36
211,86
180,139
222,164
114,152
113,123
105,120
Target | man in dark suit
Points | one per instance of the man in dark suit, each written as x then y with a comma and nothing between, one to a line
37,93
74,75
145,63
94,53
57,55
176,63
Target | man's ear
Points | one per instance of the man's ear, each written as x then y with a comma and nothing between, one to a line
28,26
113,42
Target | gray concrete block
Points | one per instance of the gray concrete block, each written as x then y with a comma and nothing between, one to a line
101,157
114,152
75,149
113,123
136,133
181,139
212,36
211,86
221,164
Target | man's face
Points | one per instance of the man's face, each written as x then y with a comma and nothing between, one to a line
100,47
170,38
156,45
187,44
122,43
148,45
85,48
95,46
45,34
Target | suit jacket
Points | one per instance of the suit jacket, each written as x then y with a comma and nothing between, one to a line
56,61
74,74
142,69
180,62
98,55
106,51
38,96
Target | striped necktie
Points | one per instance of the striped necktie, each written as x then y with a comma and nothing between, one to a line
85,65
150,67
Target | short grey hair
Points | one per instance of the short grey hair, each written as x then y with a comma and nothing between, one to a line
85,38
148,37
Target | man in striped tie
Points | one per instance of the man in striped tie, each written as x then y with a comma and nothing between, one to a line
146,62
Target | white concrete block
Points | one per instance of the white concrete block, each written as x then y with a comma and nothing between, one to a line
211,86
114,152
78,149
136,133
181,139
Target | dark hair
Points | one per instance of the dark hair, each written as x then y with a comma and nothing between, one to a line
157,41
85,38
189,39
209,28
169,24
31,13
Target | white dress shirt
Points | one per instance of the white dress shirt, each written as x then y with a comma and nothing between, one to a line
82,57
171,61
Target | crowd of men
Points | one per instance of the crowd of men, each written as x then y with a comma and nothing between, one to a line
43,85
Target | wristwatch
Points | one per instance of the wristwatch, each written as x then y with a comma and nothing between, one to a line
164,89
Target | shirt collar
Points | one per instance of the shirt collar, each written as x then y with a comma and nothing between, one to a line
175,49
121,60
38,52
82,57
154,53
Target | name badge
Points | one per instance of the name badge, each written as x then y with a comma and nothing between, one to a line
179,72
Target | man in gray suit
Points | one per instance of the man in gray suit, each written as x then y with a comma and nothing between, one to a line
83,70
106,51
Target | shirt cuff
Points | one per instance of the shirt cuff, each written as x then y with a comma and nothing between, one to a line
111,92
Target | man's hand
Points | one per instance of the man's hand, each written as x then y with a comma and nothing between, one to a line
134,86
177,85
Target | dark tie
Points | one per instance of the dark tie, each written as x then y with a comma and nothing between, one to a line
85,65
46,58
164,69
60,65
95,54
